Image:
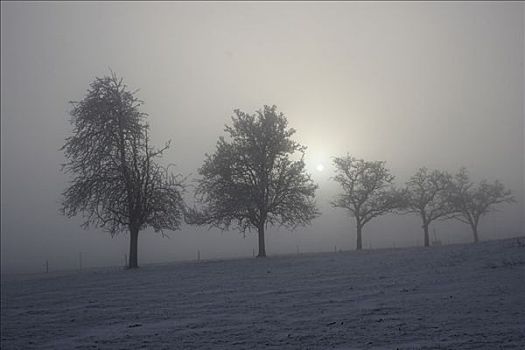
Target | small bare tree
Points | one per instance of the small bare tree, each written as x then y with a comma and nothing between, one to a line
251,181
427,195
472,202
367,191
117,183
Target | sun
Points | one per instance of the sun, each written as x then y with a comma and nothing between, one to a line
320,167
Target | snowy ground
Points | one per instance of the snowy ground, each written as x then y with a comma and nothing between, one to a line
452,297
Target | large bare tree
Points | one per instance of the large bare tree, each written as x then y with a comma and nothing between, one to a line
255,177
427,195
368,191
474,201
117,182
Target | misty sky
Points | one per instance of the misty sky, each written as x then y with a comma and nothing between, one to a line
416,84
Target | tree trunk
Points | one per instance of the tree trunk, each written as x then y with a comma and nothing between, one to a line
427,238
475,232
133,245
262,248
359,244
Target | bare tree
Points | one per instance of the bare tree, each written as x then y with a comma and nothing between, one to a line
472,202
117,183
251,181
427,195
367,191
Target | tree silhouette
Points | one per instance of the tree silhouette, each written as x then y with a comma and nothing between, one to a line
117,183
472,202
427,195
251,180
367,191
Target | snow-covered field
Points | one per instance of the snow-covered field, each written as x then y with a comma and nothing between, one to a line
451,297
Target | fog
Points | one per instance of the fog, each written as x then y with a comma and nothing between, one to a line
439,85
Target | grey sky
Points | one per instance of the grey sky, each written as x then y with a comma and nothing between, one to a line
416,84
